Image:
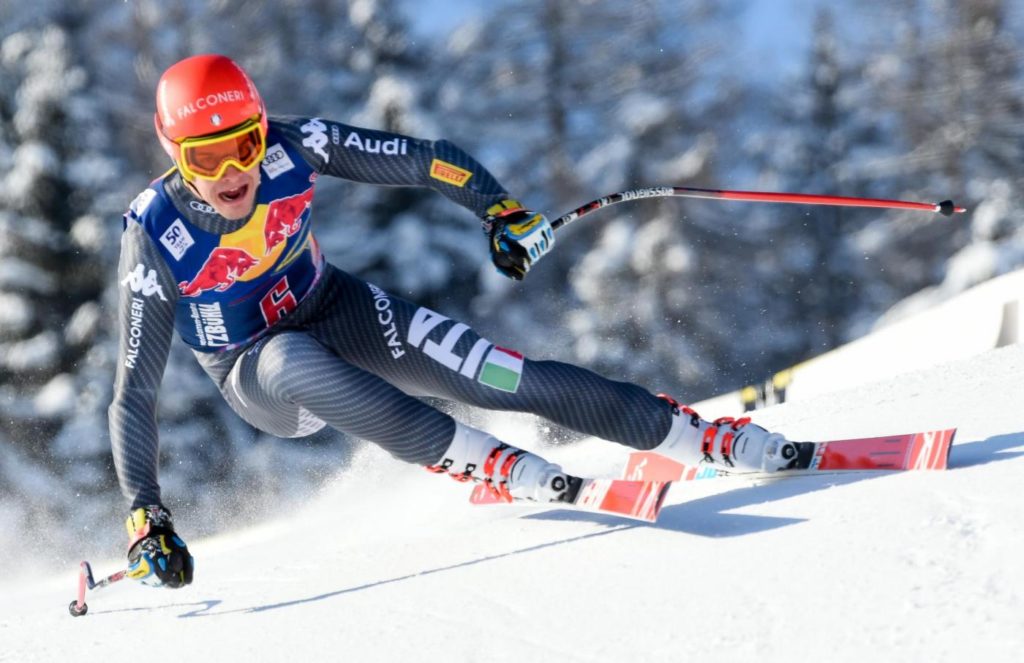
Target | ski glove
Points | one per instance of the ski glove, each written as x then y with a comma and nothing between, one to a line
518,237
156,555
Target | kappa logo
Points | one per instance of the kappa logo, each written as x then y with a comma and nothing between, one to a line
176,239
277,161
142,282
317,138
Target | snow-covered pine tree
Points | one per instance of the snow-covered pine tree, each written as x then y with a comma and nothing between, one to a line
59,174
820,129
949,73
582,99
52,241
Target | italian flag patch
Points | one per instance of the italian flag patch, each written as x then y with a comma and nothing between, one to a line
502,369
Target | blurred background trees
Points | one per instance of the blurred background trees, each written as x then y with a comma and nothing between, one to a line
563,101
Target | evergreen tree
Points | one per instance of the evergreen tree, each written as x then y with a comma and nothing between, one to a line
58,164
58,189
824,128
949,73
573,109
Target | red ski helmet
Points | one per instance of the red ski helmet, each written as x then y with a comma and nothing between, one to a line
202,95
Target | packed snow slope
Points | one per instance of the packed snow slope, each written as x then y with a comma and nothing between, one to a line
391,563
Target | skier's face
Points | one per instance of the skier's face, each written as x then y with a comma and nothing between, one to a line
233,195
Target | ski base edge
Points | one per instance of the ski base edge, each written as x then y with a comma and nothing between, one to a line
635,500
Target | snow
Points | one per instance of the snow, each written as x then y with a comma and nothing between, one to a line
37,353
21,275
57,397
391,563
15,313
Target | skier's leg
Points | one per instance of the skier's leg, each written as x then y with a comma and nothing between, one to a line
427,353
290,385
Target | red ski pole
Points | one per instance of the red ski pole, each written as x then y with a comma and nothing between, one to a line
946,207
77,608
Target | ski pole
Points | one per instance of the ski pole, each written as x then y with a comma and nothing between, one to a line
946,207
77,608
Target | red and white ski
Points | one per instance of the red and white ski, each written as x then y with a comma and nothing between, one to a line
637,500
910,451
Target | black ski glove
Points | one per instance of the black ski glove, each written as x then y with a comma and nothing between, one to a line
518,237
157,556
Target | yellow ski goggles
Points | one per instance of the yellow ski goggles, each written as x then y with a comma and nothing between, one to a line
207,157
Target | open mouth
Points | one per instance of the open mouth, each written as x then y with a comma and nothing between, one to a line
234,195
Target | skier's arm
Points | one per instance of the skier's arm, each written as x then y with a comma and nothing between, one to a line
390,159
518,237
147,297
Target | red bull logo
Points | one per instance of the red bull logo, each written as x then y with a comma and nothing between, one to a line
254,249
284,218
222,268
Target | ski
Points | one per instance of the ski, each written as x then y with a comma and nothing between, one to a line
909,451
637,500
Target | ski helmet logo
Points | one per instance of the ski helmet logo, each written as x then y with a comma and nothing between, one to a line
215,119
209,101
317,138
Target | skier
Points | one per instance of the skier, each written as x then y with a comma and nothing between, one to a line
220,249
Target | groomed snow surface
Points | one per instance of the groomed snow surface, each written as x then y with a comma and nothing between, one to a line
391,563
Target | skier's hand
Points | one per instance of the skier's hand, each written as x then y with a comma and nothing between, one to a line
518,237
156,555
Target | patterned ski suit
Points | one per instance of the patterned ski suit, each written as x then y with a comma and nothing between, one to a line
294,343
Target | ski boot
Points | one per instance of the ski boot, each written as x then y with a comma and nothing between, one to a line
736,446
508,472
